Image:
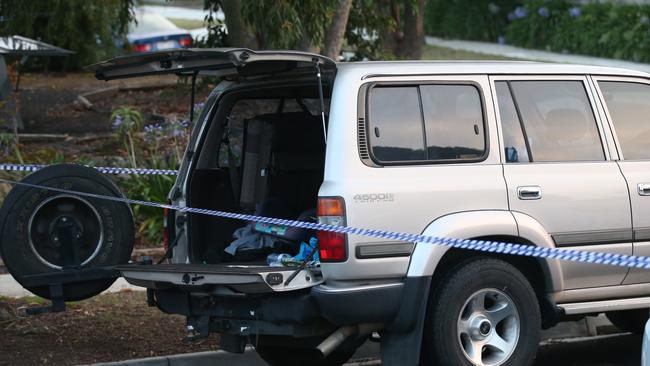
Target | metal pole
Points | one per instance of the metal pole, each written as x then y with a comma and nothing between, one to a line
322,102
192,96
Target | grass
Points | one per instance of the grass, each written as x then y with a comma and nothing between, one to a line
443,53
188,23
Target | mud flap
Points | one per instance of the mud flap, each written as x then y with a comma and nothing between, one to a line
401,341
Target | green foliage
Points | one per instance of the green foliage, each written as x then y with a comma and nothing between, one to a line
600,29
155,146
153,188
90,28
367,25
597,29
294,24
282,24
479,20
126,122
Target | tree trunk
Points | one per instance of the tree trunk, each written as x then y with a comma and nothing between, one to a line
413,30
239,33
392,37
336,31
305,44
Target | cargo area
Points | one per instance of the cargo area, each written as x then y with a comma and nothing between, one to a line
263,154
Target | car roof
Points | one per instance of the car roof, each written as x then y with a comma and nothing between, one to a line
365,69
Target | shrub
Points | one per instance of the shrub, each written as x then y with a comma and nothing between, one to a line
609,30
153,146
474,19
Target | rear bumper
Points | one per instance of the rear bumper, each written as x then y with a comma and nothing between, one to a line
358,305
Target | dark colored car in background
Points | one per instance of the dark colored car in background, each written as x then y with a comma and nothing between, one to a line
154,32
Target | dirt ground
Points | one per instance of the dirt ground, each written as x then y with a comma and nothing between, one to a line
49,105
109,327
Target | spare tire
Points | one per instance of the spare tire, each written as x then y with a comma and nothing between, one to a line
97,232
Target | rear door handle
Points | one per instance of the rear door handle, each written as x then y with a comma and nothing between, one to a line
644,189
530,192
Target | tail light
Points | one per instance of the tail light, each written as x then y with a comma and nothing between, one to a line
185,42
145,47
165,229
333,246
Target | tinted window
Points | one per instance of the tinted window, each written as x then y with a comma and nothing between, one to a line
454,122
396,132
447,119
513,136
558,120
629,107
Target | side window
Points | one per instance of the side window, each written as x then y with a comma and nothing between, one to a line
440,122
558,121
629,107
513,136
453,118
396,132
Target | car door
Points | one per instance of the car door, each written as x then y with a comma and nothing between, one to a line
627,107
558,171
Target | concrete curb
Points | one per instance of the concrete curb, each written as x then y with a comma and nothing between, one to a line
533,55
209,358
365,356
10,288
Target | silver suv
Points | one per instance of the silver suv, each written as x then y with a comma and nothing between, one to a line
539,154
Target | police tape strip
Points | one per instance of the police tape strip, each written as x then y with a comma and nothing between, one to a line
478,245
105,170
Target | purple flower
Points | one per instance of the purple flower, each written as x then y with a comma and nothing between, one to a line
575,12
179,128
199,106
520,12
153,132
511,16
501,40
543,12
117,122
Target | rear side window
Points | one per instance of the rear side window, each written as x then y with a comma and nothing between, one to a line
396,124
629,107
514,142
426,123
557,121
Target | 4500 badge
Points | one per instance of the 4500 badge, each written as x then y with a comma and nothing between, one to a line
373,197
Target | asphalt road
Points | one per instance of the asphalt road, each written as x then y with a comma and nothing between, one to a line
614,350
610,350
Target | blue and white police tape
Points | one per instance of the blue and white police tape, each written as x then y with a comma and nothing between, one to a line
478,245
105,170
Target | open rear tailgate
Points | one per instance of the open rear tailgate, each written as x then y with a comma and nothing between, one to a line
219,61
215,277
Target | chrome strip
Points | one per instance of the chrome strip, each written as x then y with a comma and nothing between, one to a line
384,250
606,305
593,237
329,289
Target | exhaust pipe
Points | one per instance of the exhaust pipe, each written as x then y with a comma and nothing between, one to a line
331,343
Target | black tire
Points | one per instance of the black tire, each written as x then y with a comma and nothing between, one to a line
105,228
444,342
632,321
289,351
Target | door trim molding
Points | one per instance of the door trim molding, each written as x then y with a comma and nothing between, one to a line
595,237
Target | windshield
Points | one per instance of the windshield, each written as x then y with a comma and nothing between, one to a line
150,23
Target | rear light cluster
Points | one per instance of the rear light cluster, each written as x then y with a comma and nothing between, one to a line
145,47
333,246
185,42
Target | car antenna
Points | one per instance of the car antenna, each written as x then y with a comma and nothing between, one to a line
320,96
192,96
